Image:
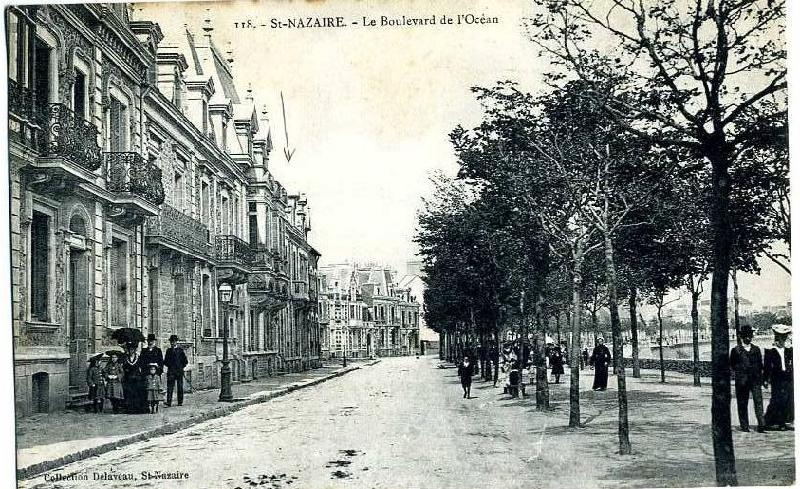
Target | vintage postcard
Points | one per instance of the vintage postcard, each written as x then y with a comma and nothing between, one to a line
366,244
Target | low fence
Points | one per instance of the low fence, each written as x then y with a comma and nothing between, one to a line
681,366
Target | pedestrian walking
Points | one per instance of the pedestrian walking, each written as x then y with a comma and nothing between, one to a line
96,383
584,357
557,363
465,374
175,360
153,385
779,373
600,360
113,374
747,367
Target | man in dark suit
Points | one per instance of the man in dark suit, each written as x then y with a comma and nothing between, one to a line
176,362
152,354
747,366
600,359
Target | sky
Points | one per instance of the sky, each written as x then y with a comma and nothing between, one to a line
369,109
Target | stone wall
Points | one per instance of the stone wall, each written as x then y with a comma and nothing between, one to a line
681,366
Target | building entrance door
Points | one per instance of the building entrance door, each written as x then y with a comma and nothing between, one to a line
78,316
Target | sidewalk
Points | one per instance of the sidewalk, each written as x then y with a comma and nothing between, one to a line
46,441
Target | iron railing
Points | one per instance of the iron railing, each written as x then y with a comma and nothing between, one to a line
69,136
20,100
233,249
128,172
175,226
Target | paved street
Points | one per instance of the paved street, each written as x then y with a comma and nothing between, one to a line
403,423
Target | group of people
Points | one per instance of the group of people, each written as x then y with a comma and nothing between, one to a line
131,380
775,369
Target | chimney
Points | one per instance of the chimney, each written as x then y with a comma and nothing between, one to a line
207,26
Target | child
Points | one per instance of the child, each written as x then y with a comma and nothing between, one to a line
153,388
96,383
113,375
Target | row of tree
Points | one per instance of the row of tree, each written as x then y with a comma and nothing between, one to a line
653,164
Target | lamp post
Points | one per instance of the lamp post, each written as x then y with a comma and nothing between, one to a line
344,346
225,393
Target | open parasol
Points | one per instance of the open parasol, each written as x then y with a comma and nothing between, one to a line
128,335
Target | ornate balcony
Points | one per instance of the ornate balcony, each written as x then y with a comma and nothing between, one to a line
175,230
234,257
299,290
136,186
71,137
265,294
262,258
66,144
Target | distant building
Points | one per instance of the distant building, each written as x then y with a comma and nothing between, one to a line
428,338
368,313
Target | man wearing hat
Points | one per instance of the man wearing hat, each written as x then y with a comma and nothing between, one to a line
175,361
779,373
152,354
746,365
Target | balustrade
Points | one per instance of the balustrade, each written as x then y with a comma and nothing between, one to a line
176,227
128,172
229,248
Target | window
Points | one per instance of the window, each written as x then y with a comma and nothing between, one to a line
224,136
177,196
119,283
40,266
253,221
117,129
17,49
180,316
204,116
225,227
42,72
79,95
252,339
206,305
205,202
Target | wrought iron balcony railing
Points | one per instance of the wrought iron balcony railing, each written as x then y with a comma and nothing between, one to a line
69,136
229,248
262,256
128,172
20,100
176,227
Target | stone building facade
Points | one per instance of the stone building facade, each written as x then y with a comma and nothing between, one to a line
140,182
368,313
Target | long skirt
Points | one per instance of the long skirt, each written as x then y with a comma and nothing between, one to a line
600,378
781,404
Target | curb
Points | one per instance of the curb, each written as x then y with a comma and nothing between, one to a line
168,429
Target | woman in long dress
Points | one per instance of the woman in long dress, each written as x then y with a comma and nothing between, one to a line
779,373
557,362
133,382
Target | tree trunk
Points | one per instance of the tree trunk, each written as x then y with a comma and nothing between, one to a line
542,389
574,367
616,333
695,338
724,458
736,325
634,332
661,337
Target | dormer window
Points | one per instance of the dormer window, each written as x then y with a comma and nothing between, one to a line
205,118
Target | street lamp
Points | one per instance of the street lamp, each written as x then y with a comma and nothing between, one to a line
225,393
